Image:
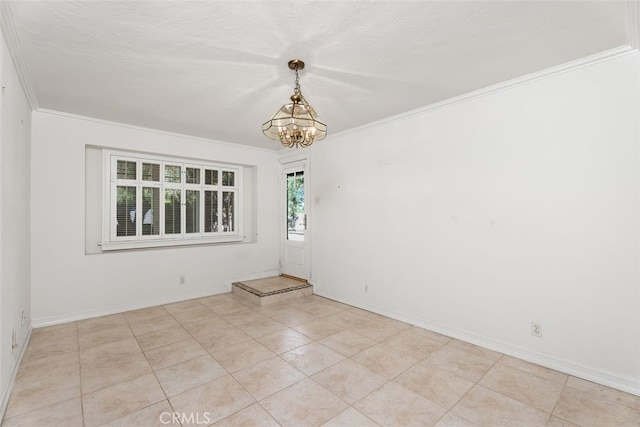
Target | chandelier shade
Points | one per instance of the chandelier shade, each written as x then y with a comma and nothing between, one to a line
295,124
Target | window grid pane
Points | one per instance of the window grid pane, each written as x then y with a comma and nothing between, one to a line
172,213
126,169
151,172
172,173
211,211
126,211
151,209
192,211
228,206
210,177
228,178
193,175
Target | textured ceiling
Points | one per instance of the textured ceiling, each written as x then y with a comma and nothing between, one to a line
218,69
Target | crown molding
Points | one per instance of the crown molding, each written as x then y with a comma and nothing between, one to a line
633,23
518,81
15,50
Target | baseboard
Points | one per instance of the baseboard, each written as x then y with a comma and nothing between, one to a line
6,391
39,322
625,384
255,276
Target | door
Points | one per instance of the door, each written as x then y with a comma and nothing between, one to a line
294,254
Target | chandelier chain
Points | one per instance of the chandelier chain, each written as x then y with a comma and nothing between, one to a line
297,88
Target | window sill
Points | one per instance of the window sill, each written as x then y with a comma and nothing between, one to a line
124,245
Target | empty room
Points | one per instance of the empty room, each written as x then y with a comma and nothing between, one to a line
375,213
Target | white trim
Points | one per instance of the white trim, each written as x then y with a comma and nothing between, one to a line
6,392
82,315
17,55
518,81
146,129
609,379
169,299
142,244
633,23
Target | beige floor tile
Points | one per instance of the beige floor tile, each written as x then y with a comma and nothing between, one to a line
61,365
460,362
611,394
158,323
347,342
190,374
27,396
109,351
398,324
283,341
156,415
195,314
228,307
96,376
318,329
67,413
214,400
413,344
44,346
588,409
294,317
349,380
244,316
208,325
268,377
122,399
321,309
347,319
312,358
488,408
94,337
384,361
435,384
430,334
258,328
215,299
145,313
175,353
222,339
183,306
162,337
350,418
394,405
242,355
55,331
102,322
537,370
452,420
376,330
559,422
523,386
305,403
474,349
254,415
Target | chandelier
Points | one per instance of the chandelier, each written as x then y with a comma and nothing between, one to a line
295,124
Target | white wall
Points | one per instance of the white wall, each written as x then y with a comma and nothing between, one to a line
69,282
480,217
15,128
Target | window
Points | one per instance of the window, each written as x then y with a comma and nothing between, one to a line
156,201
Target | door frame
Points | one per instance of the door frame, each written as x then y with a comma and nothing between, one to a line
288,164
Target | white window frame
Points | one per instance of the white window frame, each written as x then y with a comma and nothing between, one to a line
110,239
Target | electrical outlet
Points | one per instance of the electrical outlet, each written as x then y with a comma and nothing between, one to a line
23,319
182,279
536,329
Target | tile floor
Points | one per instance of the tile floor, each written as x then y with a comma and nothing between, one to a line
308,362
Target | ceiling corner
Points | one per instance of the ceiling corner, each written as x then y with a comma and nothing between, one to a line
633,23
15,50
